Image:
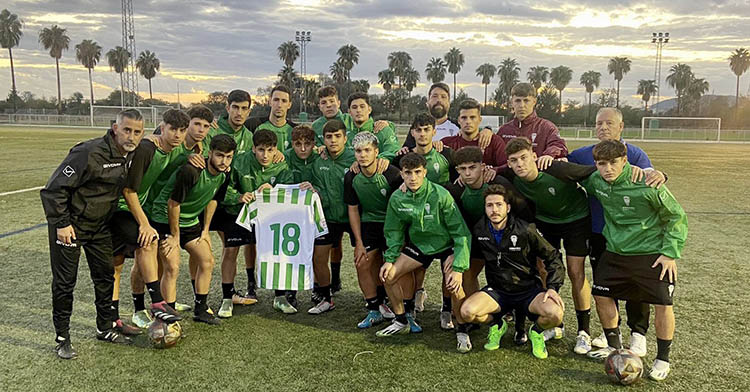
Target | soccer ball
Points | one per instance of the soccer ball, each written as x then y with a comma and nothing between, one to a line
623,366
164,335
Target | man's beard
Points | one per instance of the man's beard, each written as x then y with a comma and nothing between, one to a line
437,110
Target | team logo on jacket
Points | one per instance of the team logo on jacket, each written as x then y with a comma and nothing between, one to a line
272,180
533,137
427,207
514,239
551,191
436,166
383,191
626,199
68,171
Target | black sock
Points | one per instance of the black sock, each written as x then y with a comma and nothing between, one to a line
373,303
171,304
200,302
495,319
154,291
584,319
139,302
462,328
227,290
381,293
335,274
536,328
613,337
116,308
279,293
409,305
291,294
325,292
401,318
250,278
520,316
662,348
447,307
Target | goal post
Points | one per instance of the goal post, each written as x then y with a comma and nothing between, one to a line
681,128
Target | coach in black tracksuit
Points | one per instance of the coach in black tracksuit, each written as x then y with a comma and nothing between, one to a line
78,200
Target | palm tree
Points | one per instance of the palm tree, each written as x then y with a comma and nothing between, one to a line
411,78
646,88
436,69
88,53
618,66
486,71
739,62
590,80
10,35
287,76
537,75
348,56
55,40
509,73
679,78
338,72
695,89
399,62
117,59
387,78
361,85
288,52
148,64
454,59
559,77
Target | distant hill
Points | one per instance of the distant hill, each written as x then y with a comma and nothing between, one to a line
671,103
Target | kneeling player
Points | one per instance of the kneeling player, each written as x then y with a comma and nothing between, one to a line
427,214
190,192
645,229
509,247
366,193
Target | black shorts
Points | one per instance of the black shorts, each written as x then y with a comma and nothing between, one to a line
234,234
373,236
631,278
124,231
597,246
412,251
335,233
574,235
520,300
221,221
187,234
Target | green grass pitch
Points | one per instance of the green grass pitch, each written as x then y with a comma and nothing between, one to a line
260,349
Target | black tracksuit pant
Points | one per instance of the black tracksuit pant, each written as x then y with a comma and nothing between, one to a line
64,260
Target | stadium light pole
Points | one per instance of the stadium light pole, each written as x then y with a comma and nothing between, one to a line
658,39
303,37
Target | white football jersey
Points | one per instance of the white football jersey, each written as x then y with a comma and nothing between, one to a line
287,221
445,129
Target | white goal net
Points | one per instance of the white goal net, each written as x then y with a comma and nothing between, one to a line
680,128
103,116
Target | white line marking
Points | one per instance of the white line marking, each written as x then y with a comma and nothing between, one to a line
36,188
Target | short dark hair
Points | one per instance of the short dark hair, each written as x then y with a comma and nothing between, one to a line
412,160
176,118
468,104
497,189
327,91
238,96
282,88
200,111
358,95
304,133
223,143
264,138
609,150
334,125
423,119
439,85
523,90
133,114
517,144
468,154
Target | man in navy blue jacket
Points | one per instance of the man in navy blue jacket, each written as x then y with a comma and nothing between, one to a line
609,126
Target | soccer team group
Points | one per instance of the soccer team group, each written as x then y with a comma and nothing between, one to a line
507,202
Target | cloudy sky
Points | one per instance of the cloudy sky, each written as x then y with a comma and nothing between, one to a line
207,45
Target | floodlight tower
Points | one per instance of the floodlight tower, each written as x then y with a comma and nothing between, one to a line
128,42
303,37
658,39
